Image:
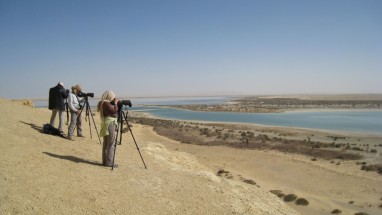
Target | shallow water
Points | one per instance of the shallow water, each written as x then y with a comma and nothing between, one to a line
351,121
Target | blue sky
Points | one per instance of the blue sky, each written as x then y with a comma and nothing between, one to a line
191,47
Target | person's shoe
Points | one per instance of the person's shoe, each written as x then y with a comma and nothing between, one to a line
70,138
80,135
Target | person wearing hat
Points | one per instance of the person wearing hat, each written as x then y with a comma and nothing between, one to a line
74,104
57,94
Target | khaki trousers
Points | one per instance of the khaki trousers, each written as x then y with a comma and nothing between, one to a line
60,118
108,146
75,120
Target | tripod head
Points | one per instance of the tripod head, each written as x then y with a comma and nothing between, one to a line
121,104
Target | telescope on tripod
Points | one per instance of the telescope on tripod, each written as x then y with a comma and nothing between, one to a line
122,117
88,112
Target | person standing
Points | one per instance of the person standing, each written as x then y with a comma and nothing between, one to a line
74,104
109,125
57,95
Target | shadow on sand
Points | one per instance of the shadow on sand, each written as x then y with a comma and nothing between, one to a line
72,158
40,129
34,126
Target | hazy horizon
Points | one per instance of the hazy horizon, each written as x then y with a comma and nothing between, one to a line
191,48
362,96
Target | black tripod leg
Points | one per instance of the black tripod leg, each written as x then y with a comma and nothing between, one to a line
119,127
88,118
88,112
95,126
122,116
131,132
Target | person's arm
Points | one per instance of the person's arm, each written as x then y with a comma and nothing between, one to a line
110,108
70,102
63,93
81,100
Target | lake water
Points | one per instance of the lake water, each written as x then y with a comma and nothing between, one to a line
350,121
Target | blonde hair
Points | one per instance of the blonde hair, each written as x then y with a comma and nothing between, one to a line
77,88
107,96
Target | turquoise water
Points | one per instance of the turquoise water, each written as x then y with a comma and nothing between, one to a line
351,121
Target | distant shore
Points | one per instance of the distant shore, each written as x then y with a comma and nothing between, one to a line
274,104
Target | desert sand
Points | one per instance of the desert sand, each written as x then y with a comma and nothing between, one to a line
45,174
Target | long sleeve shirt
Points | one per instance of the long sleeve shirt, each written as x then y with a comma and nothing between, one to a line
74,102
109,110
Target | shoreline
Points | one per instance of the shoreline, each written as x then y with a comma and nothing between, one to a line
275,170
280,171
256,134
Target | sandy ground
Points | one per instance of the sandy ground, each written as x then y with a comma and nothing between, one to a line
326,186
44,174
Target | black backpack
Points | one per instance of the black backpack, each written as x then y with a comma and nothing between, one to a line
48,129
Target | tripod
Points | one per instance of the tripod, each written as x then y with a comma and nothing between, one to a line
123,116
87,118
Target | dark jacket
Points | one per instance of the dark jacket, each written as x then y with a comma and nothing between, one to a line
57,95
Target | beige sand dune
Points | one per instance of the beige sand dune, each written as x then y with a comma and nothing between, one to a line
325,185
45,174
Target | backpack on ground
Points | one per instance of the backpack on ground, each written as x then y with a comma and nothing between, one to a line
48,129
